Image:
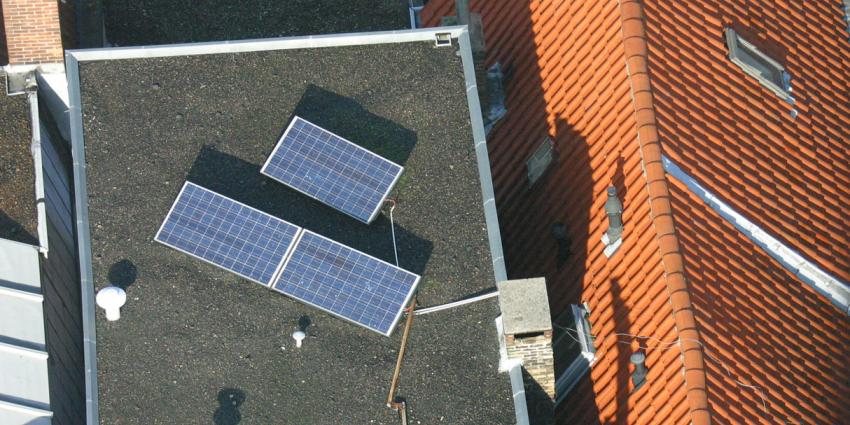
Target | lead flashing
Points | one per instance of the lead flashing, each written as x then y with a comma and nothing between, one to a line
478,134
35,151
83,237
282,43
808,272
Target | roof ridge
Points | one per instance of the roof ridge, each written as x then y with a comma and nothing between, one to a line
661,210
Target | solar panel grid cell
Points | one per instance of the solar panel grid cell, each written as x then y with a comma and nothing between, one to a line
346,282
332,170
227,233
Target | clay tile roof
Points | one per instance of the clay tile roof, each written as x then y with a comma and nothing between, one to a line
618,84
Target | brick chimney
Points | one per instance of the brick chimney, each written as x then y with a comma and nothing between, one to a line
33,32
527,331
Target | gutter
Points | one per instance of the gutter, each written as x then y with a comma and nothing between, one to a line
635,48
35,150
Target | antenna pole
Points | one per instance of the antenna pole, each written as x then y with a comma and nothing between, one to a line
391,403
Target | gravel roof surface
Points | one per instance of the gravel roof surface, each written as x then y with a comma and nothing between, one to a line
18,219
141,22
193,338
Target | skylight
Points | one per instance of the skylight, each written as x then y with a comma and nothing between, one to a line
758,65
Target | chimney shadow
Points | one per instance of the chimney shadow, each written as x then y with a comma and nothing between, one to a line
545,225
541,407
348,119
241,180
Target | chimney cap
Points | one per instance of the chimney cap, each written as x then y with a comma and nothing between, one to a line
525,306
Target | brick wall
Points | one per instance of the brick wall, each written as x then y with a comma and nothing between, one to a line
536,355
32,30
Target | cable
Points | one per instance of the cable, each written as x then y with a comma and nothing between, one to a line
454,304
392,229
668,345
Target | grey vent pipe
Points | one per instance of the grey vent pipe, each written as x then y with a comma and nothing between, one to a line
639,375
614,210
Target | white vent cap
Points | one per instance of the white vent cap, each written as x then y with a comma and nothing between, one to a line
111,299
298,336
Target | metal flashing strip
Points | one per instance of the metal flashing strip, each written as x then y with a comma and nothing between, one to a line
486,178
807,271
81,197
282,43
35,151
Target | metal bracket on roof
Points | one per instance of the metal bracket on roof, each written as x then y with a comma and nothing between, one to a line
443,39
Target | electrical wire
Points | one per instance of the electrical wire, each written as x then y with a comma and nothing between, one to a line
669,345
392,229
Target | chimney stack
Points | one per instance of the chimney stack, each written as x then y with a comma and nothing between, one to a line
527,331
32,31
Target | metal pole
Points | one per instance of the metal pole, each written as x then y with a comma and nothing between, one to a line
390,402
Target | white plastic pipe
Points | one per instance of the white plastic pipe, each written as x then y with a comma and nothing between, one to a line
111,299
298,336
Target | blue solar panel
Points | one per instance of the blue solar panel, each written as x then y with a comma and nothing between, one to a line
346,283
227,233
333,170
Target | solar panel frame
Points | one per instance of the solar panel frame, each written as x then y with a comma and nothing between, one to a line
279,144
290,248
397,316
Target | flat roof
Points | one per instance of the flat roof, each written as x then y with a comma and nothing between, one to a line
18,217
192,337
134,23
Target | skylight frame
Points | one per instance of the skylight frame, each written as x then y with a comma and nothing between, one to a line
567,380
738,47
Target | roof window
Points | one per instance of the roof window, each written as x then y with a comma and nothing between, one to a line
572,348
758,65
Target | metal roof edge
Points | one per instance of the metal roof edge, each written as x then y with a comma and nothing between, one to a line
83,237
808,272
255,45
35,151
485,176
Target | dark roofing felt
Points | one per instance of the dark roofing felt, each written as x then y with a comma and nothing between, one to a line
134,22
192,333
18,220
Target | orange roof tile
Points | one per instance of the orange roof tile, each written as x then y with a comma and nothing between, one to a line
580,95
759,320
581,72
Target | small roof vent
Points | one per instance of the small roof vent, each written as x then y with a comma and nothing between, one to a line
111,299
639,375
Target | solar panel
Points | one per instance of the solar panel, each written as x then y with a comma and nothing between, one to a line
346,283
331,169
227,233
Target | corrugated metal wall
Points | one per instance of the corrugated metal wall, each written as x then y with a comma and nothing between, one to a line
61,281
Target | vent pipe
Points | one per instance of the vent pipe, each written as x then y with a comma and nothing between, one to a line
111,298
639,375
614,210
298,336
462,12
